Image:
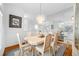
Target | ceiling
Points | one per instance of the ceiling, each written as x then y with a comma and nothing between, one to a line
46,8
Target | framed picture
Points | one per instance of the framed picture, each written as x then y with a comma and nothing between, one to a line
15,21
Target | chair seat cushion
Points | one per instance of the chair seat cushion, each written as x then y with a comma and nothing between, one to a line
61,50
27,49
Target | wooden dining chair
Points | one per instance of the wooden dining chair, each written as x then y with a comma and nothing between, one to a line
23,47
44,47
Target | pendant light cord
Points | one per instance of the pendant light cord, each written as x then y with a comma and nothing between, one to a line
40,8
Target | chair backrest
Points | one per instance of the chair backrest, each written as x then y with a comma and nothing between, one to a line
47,41
55,40
56,37
19,40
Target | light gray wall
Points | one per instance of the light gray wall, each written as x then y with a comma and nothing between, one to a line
62,16
10,33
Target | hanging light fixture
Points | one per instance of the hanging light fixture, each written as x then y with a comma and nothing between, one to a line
72,19
36,27
40,18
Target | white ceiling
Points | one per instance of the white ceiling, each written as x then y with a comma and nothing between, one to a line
47,8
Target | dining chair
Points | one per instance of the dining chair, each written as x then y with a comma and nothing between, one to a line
54,43
23,47
42,48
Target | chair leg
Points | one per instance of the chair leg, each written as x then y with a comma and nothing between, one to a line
32,52
49,51
54,51
42,54
20,53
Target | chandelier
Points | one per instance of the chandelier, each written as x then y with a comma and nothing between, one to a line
40,18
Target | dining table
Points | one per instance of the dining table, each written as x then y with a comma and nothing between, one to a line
34,41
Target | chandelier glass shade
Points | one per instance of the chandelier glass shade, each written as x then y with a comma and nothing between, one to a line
40,19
